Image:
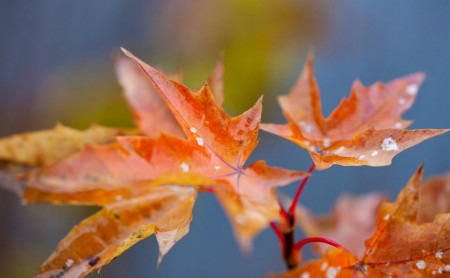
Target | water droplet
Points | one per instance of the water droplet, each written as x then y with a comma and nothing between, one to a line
184,167
412,89
200,141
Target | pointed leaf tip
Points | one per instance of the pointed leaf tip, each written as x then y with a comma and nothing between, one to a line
126,52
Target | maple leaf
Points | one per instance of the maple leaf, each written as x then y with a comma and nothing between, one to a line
350,223
130,176
353,217
128,187
400,246
365,129
245,193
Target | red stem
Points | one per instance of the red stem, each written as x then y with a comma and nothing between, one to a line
278,233
285,230
283,212
298,246
299,190
207,189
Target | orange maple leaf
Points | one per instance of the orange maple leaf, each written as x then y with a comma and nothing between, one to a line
400,246
149,185
353,217
365,129
245,193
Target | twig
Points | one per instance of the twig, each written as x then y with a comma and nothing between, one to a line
298,246
300,189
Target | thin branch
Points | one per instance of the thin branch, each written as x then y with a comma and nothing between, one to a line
298,246
283,212
209,189
278,233
299,190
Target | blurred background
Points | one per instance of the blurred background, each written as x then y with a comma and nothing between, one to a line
56,66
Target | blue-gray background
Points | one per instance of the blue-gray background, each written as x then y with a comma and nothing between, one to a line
56,67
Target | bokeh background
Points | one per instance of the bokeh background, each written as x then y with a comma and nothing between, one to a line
56,66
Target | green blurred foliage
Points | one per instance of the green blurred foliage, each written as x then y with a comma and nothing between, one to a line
261,40
84,94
